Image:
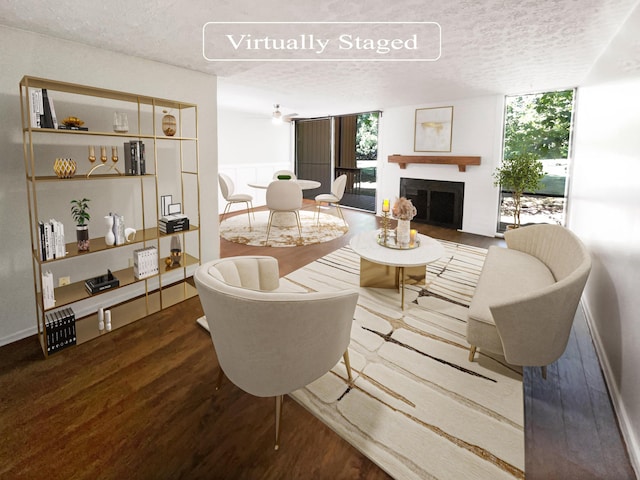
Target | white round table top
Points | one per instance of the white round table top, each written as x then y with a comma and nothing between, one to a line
304,184
366,245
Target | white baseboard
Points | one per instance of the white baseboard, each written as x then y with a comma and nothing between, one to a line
630,436
14,337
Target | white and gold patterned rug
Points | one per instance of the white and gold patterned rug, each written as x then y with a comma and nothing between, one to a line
284,230
418,408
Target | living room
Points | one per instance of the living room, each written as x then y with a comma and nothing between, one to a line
605,124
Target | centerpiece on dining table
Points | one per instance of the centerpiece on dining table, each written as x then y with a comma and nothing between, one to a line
403,237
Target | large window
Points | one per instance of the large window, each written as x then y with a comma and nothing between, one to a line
539,124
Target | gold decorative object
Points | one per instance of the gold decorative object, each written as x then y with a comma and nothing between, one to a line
72,122
103,159
64,167
169,124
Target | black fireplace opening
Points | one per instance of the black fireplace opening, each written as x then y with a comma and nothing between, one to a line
437,202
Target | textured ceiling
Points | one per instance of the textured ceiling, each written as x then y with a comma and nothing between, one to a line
488,47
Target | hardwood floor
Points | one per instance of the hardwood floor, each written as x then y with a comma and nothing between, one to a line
140,403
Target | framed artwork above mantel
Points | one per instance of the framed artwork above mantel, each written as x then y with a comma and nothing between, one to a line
433,129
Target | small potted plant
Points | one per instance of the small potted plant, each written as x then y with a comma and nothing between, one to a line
521,172
80,214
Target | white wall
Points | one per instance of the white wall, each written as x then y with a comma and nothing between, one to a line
604,210
30,54
477,130
250,149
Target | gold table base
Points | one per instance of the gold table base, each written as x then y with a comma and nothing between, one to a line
377,275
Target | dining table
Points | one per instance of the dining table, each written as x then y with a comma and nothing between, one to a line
304,184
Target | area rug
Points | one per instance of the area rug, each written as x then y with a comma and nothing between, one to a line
284,230
418,408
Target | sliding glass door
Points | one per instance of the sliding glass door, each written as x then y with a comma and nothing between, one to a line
343,145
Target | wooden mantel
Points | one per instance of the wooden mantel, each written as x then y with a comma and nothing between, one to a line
461,162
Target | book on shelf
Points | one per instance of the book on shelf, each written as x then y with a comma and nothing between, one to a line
60,328
101,283
36,106
173,223
134,158
52,244
145,262
47,117
72,127
48,292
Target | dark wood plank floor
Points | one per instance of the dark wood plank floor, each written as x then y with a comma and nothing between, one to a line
139,403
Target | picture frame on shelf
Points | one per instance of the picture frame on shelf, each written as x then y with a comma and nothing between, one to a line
175,208
165,201
433,129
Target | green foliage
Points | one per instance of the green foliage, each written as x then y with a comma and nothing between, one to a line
541,122
521,172
367,136
79,211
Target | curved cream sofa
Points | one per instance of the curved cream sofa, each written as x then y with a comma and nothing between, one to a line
527,295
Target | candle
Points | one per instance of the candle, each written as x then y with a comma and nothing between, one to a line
385,205
412,237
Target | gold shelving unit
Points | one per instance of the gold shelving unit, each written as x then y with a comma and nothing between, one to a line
172,284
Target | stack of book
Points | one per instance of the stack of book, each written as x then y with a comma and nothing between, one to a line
52,244
101,283
173,223
43,114
145,262
61,329
134,158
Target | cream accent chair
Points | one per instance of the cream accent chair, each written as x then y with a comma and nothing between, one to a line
227,188
337,192
285,172
527,295
272,343
284,197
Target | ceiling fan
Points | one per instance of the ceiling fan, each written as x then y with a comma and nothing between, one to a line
278,117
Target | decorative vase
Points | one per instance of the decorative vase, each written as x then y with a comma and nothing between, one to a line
403,233
64,167
109,238
176,251
82,235
120,122
169,124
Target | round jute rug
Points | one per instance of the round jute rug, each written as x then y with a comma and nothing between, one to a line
284,229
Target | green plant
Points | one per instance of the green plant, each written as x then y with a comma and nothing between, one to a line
521,172
79,211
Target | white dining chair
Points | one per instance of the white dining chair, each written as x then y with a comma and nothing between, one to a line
227,188
280,173
337,192
284,197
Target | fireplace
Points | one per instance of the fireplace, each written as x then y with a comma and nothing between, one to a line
438,202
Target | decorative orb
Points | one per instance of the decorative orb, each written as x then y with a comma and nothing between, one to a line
169,125
64,167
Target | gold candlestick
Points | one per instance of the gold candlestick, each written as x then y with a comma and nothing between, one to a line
385,220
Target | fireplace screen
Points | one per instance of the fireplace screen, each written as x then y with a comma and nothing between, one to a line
437,202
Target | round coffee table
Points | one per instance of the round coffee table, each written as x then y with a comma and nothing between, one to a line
385,267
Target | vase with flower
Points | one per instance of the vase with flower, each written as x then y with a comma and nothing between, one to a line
403,211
